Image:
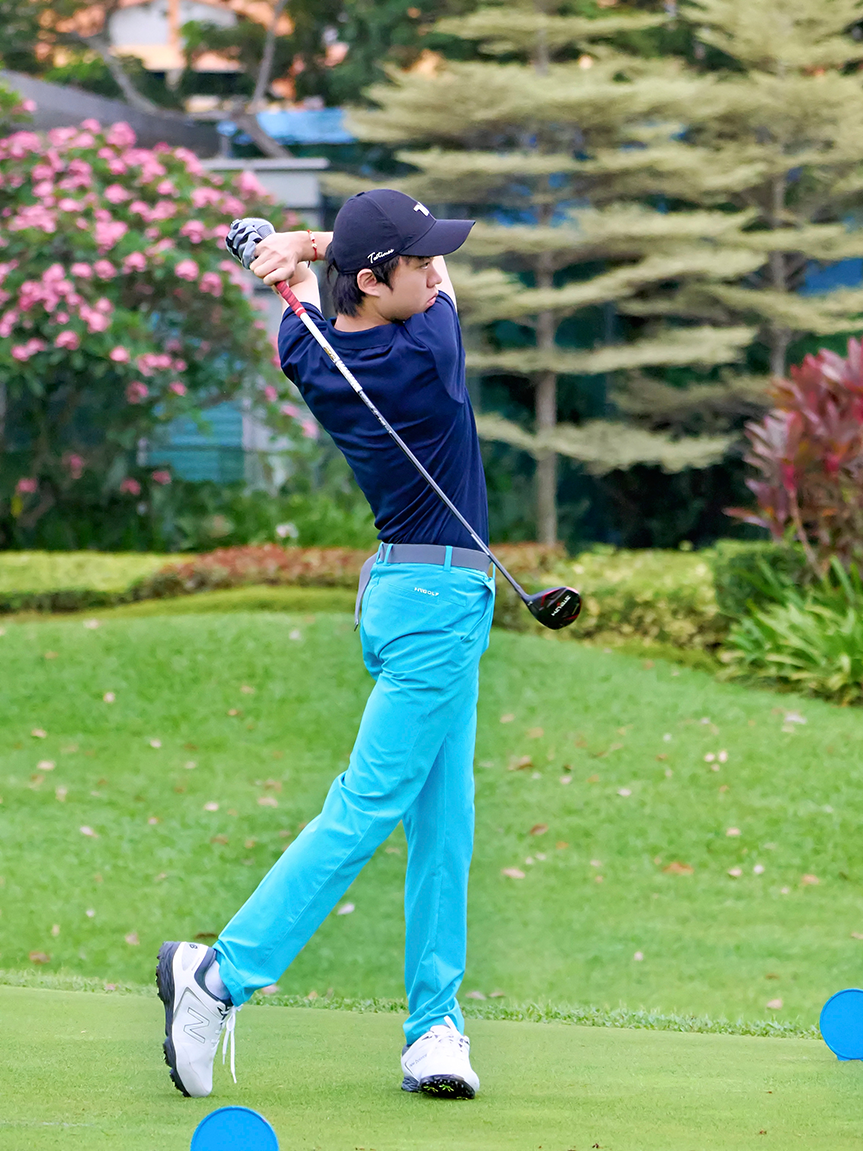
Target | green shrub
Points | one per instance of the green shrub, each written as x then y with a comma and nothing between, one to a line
69,581
812,642
748,575
656,596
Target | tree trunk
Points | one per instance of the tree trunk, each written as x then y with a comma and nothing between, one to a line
546,418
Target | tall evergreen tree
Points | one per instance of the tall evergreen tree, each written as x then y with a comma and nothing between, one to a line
663,190
517,139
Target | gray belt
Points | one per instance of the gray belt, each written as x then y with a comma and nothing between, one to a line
417,554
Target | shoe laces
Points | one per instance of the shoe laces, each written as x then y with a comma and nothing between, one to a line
230,1021
451,1034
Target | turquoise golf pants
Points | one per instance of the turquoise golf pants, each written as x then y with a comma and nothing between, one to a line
424,628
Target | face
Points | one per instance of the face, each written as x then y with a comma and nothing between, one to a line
413,289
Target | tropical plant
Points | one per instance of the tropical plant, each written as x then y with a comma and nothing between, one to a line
119,310
812,642
809,451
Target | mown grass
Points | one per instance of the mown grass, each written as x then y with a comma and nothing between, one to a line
595,891
85,1071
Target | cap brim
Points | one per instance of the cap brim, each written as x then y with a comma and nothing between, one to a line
443,237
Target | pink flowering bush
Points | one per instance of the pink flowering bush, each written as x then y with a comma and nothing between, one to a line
119,310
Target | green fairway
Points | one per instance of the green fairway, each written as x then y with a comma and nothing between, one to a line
592,784
84,1071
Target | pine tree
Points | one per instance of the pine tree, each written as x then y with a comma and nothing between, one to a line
648,185
520,134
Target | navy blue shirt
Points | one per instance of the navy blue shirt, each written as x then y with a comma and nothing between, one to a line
413,371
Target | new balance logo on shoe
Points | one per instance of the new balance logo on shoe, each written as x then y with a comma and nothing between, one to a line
198,1028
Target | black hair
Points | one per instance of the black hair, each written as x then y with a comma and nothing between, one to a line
347,295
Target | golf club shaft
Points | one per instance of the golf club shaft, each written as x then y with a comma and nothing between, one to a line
299,310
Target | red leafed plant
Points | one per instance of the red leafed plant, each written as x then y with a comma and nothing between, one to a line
809,451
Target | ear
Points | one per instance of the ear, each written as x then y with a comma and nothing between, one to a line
367,283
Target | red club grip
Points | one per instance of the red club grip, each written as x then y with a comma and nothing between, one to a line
290,299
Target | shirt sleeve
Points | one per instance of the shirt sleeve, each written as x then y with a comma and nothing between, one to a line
292,337
439,333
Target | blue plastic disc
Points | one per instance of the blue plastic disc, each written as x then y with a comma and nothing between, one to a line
841,1023
230,1128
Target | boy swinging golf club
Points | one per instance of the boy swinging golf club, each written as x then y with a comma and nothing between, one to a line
427,603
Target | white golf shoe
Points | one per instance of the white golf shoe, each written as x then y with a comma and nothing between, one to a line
438,1063
195,1019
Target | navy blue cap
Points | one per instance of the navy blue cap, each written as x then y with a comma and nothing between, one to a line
374,226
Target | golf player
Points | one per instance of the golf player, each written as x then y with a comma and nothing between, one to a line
427,601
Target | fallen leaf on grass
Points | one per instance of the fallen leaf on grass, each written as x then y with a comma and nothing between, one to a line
60,794
108,697
538,829
624,791
90,913
735,872
204,935
91,624
566,779
346,909
55,930
678,868
89,832
608,751
45,765
774,1005
271,989
211,806
155,743
758,869
268,801
638,957
520,764
474,995
596,863
132,939
250,843
508,718
295,634
661,757
561,845
535,733
38,733
223,839
857,934
246,689
50,655
809,880
512,872
233,711
732,832
39,957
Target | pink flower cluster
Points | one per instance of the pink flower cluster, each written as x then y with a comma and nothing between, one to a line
150,362
130,486
26,486
137,392
23,352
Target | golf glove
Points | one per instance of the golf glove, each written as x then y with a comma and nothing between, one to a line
244,237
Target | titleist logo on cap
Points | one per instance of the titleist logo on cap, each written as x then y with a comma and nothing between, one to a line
373,257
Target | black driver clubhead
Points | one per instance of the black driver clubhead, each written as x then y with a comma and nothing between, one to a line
556,607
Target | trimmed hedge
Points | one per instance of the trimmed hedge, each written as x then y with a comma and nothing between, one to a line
656,597
70,581
680,599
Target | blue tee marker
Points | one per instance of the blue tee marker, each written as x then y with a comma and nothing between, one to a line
231,1128
841,1023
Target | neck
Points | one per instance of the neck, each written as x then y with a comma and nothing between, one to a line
367,317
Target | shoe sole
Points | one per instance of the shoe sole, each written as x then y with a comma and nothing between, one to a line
165,986
445,1087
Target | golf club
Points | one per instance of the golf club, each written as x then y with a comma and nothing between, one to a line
555,608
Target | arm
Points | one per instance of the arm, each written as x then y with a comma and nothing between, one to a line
446,283
281,256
